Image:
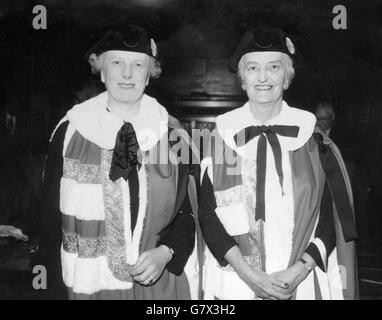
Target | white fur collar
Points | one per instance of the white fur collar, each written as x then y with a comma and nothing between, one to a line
96,124
232,122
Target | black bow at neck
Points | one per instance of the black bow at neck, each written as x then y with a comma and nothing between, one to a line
125,158
264,133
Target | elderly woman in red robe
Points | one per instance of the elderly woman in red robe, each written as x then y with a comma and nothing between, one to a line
276,210
120,223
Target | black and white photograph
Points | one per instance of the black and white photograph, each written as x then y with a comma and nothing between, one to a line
190,150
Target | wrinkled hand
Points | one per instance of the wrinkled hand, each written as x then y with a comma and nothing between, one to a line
150,265
293,276
265,285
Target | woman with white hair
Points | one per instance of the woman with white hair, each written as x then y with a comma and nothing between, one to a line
127,229
276,208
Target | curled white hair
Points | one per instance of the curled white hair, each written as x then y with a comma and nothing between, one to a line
97,63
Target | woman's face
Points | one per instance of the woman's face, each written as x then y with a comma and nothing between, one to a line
263,76
126,75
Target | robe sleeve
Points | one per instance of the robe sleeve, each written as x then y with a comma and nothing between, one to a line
214,233
50,217
180,237
325,235
180,234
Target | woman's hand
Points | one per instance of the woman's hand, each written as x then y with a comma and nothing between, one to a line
293,276
150,265
262,284
267,287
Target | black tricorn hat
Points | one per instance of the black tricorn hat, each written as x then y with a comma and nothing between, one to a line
131,38
263,38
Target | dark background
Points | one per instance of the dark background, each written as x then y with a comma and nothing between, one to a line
43,73
41,70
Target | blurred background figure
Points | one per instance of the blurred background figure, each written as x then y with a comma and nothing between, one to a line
326,121
325,116
363,189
